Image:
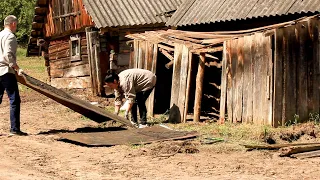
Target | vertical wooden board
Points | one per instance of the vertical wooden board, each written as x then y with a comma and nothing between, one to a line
183,80
264,48
150,101
133,63
142,54
234,64
223,94
247,80
150,56
257,53
176,75
138,57
315,30
188,88
229,81
302,71
290,67
278,79
313,66
239,82
269,82
154,58
146,56
267,69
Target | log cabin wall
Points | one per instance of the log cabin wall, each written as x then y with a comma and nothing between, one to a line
66,72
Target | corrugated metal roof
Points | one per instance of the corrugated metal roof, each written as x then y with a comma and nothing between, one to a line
110,13
209,11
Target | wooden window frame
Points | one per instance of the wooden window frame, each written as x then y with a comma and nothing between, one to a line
77,57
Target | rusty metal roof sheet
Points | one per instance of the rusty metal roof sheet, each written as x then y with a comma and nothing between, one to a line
110,13
193,12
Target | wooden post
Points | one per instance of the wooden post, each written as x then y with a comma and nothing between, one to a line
90,53
199,85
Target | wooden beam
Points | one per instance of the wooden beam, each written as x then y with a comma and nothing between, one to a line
199,85
165,47
287,151
276,146
67,15
208,50
169,65
169,56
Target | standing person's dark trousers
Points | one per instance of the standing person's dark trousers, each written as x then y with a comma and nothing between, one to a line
9,83
140,101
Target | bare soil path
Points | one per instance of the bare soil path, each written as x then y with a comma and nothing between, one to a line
42,156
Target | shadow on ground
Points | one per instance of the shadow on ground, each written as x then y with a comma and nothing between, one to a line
82,130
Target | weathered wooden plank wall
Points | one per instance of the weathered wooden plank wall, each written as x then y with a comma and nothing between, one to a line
65,73
145,56
248,77
66,15
296,72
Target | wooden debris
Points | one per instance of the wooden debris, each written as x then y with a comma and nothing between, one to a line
276,146
306,155
287,151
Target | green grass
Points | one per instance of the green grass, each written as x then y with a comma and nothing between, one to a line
33,66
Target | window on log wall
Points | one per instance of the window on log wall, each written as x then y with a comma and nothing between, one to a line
75,48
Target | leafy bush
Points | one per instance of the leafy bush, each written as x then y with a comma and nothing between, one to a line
24,11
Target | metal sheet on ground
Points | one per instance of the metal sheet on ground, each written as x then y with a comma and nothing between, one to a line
123,137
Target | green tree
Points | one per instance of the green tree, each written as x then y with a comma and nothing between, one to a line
24,11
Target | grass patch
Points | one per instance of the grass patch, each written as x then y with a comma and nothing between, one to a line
33,66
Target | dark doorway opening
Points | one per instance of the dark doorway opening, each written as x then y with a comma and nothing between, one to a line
163,87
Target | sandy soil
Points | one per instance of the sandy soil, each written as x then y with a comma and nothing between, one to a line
42,156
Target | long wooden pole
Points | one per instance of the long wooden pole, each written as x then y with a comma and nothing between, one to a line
199,85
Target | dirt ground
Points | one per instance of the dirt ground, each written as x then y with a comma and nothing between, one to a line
41,156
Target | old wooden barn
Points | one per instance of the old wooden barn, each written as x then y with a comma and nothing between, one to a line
77,36
265,75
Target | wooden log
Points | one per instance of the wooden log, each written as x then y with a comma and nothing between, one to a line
60,55
305,155
276,146
287,151
199,86
58,48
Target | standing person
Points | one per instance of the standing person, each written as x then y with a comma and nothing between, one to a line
136,85
8,66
